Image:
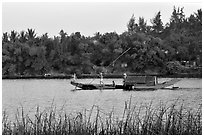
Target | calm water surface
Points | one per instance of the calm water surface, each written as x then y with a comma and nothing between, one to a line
32,93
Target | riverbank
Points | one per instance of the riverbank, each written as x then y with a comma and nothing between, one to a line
136,120
179,75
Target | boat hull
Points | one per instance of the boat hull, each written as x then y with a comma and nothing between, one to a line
163,85
95,86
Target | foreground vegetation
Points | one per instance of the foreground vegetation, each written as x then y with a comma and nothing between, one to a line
150,48
135,120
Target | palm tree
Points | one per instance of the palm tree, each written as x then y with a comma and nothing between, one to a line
22,37
5,37
31,34
13,36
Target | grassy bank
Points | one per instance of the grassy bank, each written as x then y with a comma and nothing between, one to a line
135,120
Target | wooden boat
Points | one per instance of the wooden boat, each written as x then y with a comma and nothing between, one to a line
128,85
147,83
163,85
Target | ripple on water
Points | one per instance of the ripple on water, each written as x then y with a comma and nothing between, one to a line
32,93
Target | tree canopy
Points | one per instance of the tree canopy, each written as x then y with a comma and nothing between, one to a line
152,47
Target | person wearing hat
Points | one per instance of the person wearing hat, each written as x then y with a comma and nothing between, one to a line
101,78
124,78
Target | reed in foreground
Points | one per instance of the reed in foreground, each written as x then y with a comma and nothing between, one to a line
135,120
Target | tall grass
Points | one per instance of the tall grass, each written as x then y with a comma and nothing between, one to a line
135,120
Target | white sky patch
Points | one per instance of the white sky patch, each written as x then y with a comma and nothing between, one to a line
85,17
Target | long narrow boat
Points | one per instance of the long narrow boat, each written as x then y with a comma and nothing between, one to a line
127,86
163,85
144,82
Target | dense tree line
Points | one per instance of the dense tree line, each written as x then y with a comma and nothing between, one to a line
149,48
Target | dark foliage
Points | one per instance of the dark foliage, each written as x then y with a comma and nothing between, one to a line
151,48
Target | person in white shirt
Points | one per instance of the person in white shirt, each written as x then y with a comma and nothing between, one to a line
101,78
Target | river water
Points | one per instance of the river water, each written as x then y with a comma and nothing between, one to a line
60,93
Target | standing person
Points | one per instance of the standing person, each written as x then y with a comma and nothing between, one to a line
124,77
74,77
101,78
